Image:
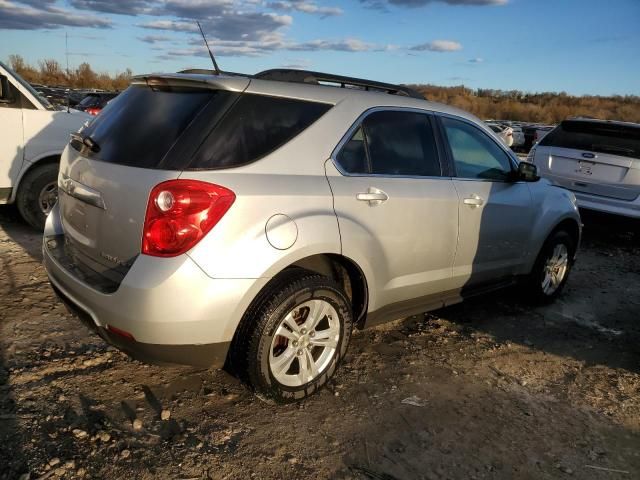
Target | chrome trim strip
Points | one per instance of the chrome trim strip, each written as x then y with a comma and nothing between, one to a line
75,189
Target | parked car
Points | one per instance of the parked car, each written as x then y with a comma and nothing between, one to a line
94,102
599,160
34,134
540,132
518,137
504,133
61,97
529,136
258,219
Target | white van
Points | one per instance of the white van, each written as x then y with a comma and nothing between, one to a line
32,136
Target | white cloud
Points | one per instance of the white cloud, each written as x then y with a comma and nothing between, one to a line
305,7
438,46
22,17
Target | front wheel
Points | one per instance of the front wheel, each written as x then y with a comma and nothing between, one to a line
552,267
296,337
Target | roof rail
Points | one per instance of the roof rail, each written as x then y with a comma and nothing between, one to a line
304,76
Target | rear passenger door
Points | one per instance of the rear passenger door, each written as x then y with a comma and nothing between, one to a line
495,212
398,216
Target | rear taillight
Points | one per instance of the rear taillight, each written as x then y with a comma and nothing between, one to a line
93,111
180,213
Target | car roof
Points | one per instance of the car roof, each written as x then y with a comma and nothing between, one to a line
596,120
366,99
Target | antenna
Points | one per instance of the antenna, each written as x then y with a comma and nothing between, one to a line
66,52
215,65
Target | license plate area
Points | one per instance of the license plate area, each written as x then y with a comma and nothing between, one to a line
585,168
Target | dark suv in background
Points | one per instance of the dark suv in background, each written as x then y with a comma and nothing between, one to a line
94,102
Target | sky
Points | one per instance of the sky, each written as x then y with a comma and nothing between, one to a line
577,46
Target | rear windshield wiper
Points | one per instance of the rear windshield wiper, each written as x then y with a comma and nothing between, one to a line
87,141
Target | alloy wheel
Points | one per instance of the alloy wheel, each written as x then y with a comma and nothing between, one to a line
555,269
305,342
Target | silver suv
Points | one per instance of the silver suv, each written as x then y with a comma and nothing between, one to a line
252,221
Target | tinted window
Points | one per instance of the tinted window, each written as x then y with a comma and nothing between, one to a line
254,127
401,143
15,99
141,125
397,143
353,156
474,153
597,137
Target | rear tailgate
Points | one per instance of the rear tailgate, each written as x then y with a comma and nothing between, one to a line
142,138
599,158
594,173
102,209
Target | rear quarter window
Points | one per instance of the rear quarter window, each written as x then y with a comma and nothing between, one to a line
255,126
599,137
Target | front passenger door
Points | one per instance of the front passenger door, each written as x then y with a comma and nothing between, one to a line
495,212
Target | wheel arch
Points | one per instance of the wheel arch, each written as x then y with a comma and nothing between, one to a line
347,273
50,158
571,226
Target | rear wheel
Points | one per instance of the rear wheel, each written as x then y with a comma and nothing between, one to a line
552,267
296,336
38,194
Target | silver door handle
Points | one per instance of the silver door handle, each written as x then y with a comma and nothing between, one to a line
473,201
372,197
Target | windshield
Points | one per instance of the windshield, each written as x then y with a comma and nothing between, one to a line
42,99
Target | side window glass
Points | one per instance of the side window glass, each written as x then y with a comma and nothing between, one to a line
9,96
401,143
353,156
475,154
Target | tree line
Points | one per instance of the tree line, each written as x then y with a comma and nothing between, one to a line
49,72
546,107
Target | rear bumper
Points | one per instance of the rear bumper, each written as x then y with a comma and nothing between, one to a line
173,310
209,355
609,205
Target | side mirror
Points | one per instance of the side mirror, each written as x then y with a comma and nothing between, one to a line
527,172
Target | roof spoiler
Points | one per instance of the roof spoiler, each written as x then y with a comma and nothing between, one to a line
168,81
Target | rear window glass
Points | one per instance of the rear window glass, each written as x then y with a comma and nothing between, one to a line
599,137
193,129
141,125
254,127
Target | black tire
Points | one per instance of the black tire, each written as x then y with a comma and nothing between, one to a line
28,198
253,342
533,283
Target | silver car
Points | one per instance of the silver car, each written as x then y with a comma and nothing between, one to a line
598,160
253,221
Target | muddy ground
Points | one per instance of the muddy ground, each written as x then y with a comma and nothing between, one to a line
491,388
